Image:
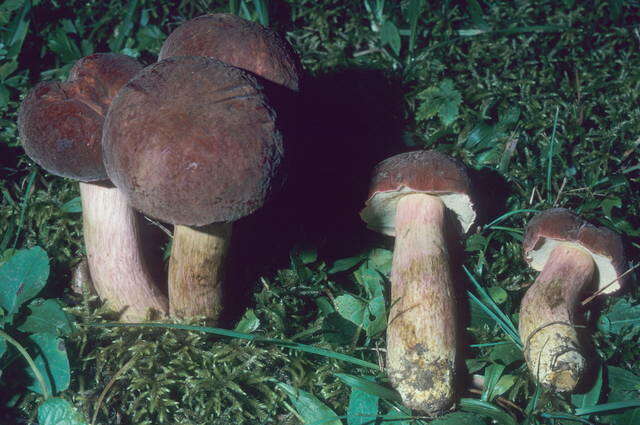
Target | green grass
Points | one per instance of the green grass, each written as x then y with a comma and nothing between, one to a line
540,99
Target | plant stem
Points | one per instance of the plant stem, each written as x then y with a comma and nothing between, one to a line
29,359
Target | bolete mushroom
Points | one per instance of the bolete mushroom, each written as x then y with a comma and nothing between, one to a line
193,142
410,198
238,42
60,126
570,253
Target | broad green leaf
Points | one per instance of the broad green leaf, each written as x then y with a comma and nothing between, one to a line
390,35
338,330
504,384
591,397
248,323
363,406
370,279
73,206
442,100
345,264
492,374
50,357
58,411
46,316
22,277
369,387
498,294
3,348
608,407
622,315
380,259
308,255
474,365
375,316
351,308
484,408
308,406
506,354
622,380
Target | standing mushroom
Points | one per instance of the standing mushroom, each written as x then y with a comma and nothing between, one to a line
570,253
193,142
251,47
60,126
238,42
410,198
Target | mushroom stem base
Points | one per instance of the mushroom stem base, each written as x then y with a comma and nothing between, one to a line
421,334
114,253
547,311
196,270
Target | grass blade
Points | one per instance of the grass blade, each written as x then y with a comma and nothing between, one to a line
607,407
492,309
551,153
249,337
507,215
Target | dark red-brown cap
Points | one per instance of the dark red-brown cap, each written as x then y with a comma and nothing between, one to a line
60,124
192,141
556,226
238,42
429,172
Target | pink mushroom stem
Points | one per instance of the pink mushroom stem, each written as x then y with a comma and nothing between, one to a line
421,334
547,318
114,252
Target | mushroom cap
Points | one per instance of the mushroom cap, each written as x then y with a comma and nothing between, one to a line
429,172
238,42
60,124
552,227
192,141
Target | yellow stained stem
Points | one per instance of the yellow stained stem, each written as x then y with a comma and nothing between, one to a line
547,318
421,334
196,270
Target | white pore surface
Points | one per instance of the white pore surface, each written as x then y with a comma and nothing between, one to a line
380,212
606,273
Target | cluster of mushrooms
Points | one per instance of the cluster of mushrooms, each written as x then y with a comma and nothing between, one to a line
194,140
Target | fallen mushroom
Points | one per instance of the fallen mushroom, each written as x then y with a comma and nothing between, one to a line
571,254
410,198
60,125
198,152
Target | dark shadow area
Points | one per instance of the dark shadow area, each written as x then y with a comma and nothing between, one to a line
346,122
490,193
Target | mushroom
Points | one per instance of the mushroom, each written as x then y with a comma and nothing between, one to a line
60,125
238,42
193,142
410,198
570,253
251,47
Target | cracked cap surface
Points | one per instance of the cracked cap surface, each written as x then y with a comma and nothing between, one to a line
192,141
